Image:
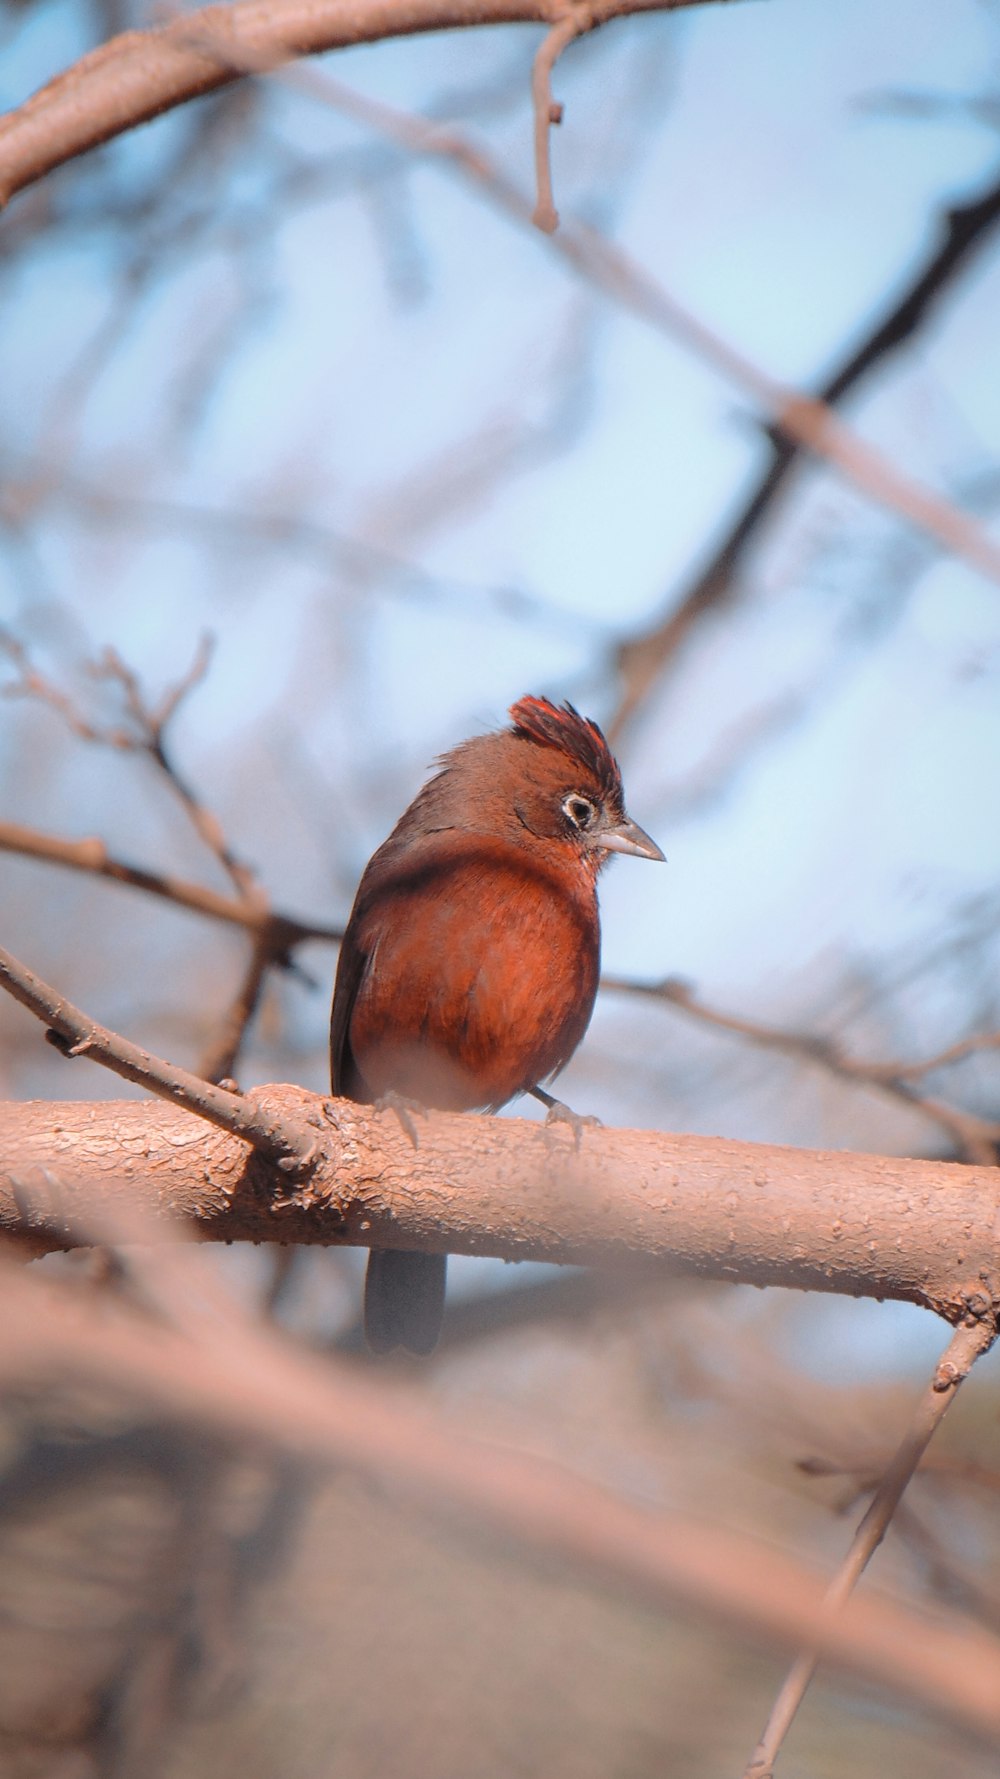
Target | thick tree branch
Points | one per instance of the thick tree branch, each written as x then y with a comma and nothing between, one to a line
879,1226
277,934
134,77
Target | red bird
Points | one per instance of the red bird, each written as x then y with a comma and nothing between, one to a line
469,966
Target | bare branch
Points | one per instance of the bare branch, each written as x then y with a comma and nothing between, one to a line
141,73
277,934
804,419
91,855
965,1347
274,935
222,1372
144,732
977,1138
643,659
219,1060
283,1142
878,1226
547,113
943,1059
149,724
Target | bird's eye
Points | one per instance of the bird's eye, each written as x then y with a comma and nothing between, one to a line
579,810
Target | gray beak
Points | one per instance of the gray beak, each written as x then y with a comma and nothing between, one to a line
628,837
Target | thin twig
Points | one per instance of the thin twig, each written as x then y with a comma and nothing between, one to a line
547,112
150,724
144,732
280,1140
967,1344
947,1573
944,1059
140,74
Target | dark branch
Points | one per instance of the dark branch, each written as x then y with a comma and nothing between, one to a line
642,660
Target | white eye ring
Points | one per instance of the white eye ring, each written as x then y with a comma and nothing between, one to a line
578,810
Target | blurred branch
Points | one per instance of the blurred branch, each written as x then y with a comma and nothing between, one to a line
360,560
642,659
967,1344
944,1059
803,419
948,1574
977,1138
219,1059
284,931
144,732
878,1226
149,723
140,74
217,1370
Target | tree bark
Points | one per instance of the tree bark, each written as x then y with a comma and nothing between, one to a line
139,74
866,1225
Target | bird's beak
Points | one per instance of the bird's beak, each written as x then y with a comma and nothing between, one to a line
628,837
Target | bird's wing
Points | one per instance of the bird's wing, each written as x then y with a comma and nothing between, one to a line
354,961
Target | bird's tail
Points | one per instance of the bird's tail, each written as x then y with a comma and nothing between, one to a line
404,1300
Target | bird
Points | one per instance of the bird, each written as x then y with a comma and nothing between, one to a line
469,965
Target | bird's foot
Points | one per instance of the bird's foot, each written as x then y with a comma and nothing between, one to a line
404,1110
558,1113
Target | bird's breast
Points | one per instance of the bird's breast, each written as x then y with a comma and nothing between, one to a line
481,977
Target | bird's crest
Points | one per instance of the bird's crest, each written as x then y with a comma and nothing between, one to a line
562,727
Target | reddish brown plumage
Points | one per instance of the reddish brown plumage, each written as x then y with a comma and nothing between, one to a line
470,962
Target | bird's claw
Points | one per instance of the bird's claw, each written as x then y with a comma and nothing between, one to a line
404,1110
558,1113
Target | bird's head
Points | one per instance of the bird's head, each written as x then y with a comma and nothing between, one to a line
568,784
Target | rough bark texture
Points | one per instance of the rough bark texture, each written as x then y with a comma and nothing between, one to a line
871,1225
